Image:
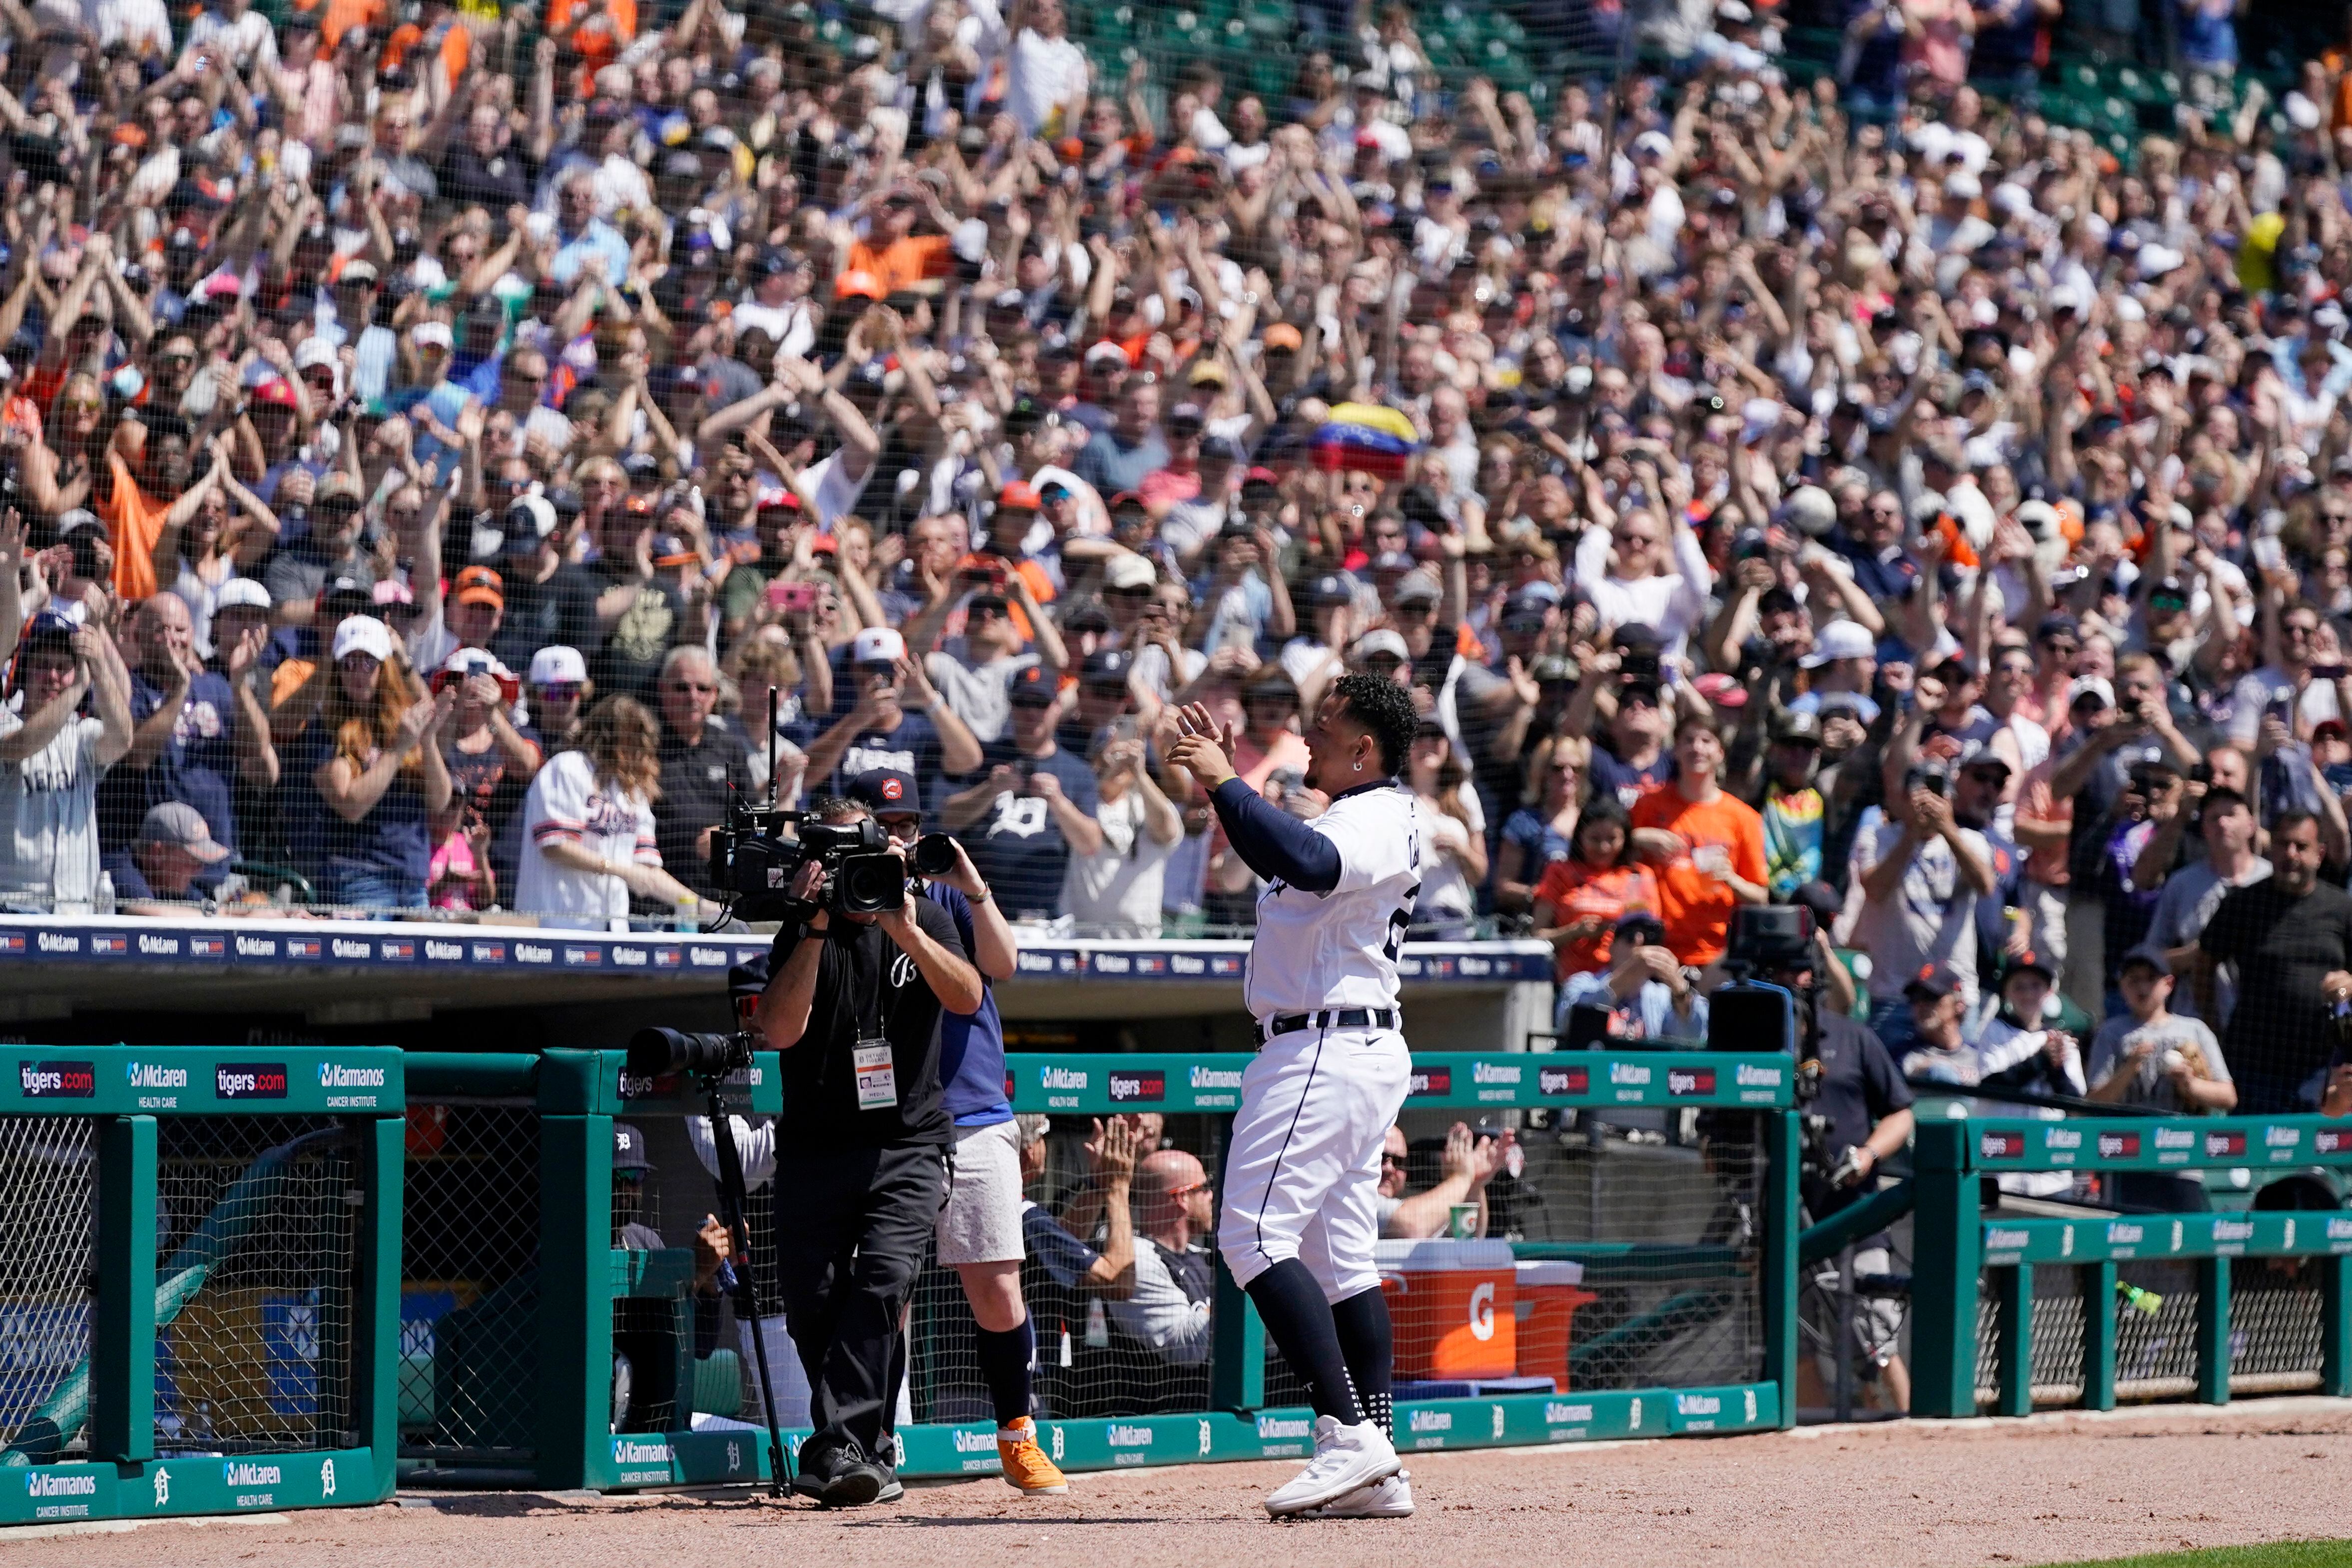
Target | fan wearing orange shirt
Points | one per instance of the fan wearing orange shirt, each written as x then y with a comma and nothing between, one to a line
896,256
1580,898
1706,847
599,29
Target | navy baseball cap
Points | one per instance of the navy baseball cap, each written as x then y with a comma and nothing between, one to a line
1641,926
1933,982
629,1149
886,790
1034,686
1331,589
48,626
1107,667
2031,962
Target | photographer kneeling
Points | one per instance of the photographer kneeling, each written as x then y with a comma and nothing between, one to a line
854,1002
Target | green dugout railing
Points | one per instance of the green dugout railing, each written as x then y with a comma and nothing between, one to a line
1956,1244
560,1426
533,1361
199,1274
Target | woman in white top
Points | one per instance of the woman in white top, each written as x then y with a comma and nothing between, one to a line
51,761
588,822
1453,836
1116,891
1645,570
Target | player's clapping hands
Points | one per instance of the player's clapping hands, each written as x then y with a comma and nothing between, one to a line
1198,746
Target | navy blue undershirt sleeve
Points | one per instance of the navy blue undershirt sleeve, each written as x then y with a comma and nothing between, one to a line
1273,843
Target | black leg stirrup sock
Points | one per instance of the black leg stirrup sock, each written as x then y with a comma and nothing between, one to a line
1291,1306
1369,1342
1004,1358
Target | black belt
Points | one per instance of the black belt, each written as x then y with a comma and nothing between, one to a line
1331,1018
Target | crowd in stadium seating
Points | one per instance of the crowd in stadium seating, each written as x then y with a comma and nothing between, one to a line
450,450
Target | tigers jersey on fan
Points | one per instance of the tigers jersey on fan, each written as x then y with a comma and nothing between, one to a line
1315,951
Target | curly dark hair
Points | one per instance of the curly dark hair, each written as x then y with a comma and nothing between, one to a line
1385,709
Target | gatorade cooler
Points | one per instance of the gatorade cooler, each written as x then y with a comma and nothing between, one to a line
1453,1307
1548,1296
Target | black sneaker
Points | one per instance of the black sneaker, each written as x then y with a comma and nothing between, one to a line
815,1467
854,1482
891,1490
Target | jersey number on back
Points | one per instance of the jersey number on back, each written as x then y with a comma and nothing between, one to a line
1399,922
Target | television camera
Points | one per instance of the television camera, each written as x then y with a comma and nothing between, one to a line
756,860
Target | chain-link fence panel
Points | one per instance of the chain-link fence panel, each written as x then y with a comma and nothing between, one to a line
2274,1325
48,1214
2055,1336
2156,1333
256,1221
469,1286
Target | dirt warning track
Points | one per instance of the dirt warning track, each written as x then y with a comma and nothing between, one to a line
2054,1488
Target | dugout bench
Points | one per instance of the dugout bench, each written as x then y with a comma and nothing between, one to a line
199,1280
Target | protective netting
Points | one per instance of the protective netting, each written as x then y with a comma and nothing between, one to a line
1613,1258
1133,1339
257,1218
48,1211
1663,1224
468,1287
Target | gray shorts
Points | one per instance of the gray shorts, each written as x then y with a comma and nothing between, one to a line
981,1222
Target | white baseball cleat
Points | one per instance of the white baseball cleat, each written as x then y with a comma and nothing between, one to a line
1347,1459
1389,1498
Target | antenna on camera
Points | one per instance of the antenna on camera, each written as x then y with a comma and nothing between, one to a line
772,780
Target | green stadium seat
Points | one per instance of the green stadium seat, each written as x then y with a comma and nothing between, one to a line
1270,69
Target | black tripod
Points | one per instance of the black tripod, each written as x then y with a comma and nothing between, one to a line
736,1274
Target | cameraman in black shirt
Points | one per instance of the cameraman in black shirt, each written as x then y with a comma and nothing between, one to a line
854,1002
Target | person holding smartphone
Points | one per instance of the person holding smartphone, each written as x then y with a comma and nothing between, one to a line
2296,687
1116,891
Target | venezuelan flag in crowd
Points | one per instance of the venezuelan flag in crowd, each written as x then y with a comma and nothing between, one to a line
1365,435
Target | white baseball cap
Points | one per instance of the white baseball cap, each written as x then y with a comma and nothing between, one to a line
477,661
1379,641
552,666
533,513
2091,686
363,634
878,645
240,592
314,352
1124,572
1839,639
426,333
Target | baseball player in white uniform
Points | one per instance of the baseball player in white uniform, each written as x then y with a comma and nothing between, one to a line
1302,1174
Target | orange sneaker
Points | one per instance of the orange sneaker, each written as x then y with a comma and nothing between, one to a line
1026,1467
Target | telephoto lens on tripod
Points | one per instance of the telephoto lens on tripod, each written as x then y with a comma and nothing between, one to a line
657,1053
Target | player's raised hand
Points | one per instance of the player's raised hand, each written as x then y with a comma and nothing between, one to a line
1200,748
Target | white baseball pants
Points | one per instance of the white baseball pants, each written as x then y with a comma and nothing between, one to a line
1303,1172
